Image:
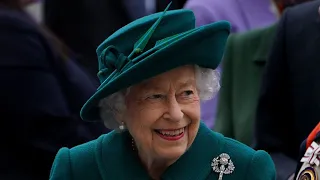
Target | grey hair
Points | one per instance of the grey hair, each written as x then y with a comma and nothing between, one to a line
113,106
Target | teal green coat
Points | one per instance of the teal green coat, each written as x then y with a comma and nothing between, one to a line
243,66
110,157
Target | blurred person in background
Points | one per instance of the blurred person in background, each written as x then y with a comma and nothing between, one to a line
243,66
289,100
243,15
41,95
84,24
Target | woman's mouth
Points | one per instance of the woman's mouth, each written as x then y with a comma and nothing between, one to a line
171,135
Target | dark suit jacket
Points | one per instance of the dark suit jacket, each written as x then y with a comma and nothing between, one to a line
289,102
243,65
41,97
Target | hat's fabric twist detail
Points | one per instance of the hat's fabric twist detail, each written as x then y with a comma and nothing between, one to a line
111,60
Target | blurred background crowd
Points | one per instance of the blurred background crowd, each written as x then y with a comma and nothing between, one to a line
270,89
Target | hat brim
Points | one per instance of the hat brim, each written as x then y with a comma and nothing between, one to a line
204,46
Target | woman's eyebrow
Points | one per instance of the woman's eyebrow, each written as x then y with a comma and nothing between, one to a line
156,87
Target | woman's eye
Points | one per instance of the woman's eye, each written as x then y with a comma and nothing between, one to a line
156,96
188,93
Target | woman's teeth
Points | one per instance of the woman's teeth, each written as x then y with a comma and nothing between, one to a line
171,132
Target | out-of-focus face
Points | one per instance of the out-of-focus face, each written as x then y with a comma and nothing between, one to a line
163,114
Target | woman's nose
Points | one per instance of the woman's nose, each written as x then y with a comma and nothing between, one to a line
174,111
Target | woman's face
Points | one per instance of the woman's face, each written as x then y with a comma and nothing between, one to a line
163,114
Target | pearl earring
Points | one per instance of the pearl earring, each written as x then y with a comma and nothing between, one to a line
121,127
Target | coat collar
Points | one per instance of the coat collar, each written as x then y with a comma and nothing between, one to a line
206,146
262,51
117,160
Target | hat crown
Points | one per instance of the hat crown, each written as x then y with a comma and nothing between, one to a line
119,49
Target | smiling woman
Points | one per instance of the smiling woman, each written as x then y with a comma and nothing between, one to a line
163,117
150,92
163,112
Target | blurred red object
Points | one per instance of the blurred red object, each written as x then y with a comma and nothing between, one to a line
313,135
283,4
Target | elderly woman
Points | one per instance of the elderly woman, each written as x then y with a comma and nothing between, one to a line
153,74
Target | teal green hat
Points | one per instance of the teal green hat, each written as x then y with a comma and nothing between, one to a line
153,45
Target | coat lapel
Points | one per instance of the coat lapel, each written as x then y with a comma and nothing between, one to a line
196,162
117,160
261,52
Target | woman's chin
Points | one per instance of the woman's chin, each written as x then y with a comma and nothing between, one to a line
171,153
